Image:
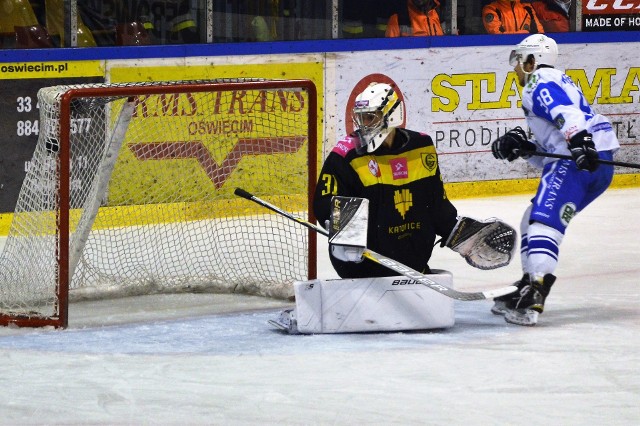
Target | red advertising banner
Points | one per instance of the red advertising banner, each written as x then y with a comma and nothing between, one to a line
610,7
611,15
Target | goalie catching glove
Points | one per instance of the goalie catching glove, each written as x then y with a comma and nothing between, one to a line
486,244
348,228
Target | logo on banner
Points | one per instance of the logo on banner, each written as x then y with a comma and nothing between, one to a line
608,6
241,121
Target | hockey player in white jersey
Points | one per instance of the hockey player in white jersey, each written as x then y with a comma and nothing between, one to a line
562,122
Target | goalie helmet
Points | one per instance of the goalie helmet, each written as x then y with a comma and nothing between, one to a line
544,49
377,110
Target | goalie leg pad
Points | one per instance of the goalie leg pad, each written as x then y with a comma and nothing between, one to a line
488,244
372,304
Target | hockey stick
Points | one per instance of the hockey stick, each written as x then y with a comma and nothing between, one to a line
388,262
568,157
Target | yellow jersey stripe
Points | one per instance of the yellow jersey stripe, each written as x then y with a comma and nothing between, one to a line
420,163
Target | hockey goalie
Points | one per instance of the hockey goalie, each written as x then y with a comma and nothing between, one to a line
389,174
388,303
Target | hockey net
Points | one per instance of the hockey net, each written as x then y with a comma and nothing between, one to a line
130,191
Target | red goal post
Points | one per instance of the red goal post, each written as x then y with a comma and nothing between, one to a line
130,191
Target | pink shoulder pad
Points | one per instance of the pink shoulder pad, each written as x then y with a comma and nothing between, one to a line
344,146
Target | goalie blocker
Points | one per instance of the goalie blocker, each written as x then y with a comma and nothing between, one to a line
348,226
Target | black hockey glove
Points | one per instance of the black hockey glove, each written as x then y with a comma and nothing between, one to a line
584,151
511,145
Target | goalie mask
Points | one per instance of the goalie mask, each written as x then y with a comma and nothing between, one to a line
377,110
543,49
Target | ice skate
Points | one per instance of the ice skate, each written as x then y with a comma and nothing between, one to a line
501,303
531,302
286,321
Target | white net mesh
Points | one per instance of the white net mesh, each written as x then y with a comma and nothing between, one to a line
168,220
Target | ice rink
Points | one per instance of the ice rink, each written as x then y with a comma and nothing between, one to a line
214,359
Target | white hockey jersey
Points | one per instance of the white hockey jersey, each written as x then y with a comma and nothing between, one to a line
555,110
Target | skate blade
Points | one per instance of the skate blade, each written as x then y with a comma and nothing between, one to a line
498,311
528,317
279,325
499,308
289,328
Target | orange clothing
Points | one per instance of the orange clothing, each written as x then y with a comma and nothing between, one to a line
553,18
421,24
510,17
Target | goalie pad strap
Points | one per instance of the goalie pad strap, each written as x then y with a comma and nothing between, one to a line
483,244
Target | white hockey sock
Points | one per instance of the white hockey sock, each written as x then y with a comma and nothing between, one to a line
524,238
543,248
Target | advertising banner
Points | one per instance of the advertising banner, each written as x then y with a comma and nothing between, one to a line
466,97
608,15
20,121
251,116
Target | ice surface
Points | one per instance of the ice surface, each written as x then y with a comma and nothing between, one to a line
213,359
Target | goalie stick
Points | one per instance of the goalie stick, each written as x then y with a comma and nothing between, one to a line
568,157
388,262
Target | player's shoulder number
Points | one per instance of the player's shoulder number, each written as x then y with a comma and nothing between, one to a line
330,184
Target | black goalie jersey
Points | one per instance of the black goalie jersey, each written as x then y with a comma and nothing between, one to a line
408,207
